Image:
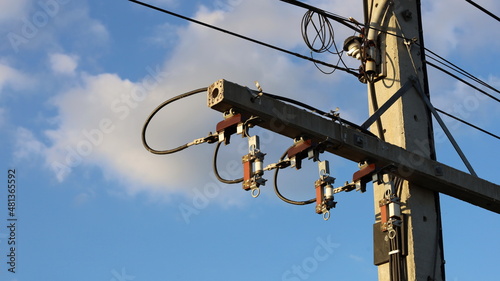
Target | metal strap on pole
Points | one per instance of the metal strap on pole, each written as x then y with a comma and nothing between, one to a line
417,86
376,115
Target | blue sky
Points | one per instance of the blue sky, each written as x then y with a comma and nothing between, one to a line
79,78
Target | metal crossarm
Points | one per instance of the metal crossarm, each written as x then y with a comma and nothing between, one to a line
350,143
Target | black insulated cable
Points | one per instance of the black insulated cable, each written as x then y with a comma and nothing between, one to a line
321,113
216,171
484,10
342,20
324,32
467,123
459,70
155,111
446,63
323,39
278,193
245,37
463,81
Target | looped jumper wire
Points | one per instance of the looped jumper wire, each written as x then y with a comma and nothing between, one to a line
211,138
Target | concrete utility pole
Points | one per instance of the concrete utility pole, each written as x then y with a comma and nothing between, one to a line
407,233
407,124
400,159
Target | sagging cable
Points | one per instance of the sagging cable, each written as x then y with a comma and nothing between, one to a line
237,123
283,163
216,171
211,138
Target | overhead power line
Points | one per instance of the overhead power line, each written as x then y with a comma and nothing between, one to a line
463,81
483,10
245,37
342,20
446,63
467,123
460,70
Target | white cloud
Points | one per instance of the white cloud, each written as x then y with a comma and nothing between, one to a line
83,197
467,103
98,31
99,121
48,24
3,118
165,2
10,10
80,27
27,144
11,77
356,258
63,64
164,35
464,29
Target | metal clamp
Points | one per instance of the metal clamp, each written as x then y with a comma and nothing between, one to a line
211,138
302,148
280,165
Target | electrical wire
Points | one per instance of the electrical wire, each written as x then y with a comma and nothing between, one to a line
396,266
368,18
453,67
461,71
349,22
216,171
395,256
374,102
443,61
321,113
216,151
398,182
340,60
324,71
456,68
245,37
446,63
483,10
335,17
325,44
467,123
463,81
155,111
278,193
324,34
211,138
368,27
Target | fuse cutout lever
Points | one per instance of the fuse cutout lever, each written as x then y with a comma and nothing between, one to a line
253,167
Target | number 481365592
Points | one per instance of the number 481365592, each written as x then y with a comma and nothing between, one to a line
11,197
